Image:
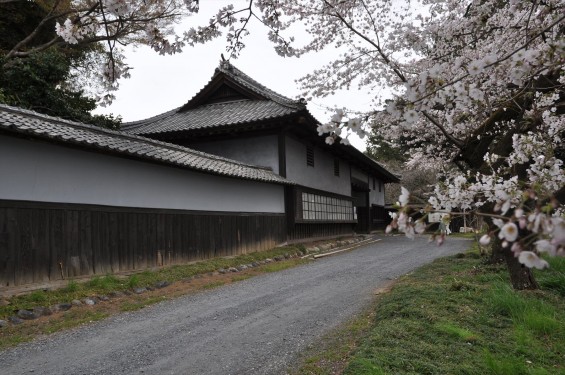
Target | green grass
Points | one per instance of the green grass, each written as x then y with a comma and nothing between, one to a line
458,333
279,266
103,284
555,279
460,316
73,318
72,287
14,335
240,278
331,354
141,303
214,284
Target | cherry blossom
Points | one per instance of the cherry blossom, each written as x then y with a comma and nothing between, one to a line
509,232
111,25
476,86
531,260
404,196
484,240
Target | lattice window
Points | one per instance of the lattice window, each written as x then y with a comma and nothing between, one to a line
317,207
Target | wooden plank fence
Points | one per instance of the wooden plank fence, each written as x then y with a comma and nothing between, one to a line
42,242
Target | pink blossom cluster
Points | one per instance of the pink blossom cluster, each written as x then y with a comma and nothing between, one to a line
547,236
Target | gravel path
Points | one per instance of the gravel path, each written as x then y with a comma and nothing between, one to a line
256,326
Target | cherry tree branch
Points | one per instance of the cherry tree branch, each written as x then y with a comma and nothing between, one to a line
387,61
33,34
504,58
368,40
450,138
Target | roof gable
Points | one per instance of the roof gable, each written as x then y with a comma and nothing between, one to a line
229,83
220,89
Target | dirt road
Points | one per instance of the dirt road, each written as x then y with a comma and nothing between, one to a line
257,326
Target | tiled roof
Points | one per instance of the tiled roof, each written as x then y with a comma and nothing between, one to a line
15,120
248,82
270,105
210,116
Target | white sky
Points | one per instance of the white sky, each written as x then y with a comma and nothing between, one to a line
161,83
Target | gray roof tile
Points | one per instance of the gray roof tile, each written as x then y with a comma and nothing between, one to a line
211,116
20,121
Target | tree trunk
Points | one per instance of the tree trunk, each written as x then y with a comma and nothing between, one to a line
497,252
521,276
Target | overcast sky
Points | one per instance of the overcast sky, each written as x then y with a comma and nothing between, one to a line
160,83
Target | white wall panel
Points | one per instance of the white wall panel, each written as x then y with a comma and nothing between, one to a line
321,175
261,150
38,171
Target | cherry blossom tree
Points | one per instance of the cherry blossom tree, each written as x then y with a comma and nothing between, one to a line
114,24
478,89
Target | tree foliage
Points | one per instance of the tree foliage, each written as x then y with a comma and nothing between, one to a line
105,24
42,81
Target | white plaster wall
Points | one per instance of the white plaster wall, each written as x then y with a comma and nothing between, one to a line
375,196
321,176
38,171
359,174
261,150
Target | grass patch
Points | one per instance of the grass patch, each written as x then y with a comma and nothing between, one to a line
456,332
13,340
237,278
214,284
103,284
460,316
106,284
331,355
73,318
554,279
279,266
14,335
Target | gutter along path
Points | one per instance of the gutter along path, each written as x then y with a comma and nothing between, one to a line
256,326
